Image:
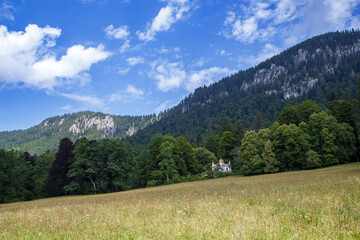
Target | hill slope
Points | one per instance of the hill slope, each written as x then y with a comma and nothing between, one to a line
313,69
47,134
318,204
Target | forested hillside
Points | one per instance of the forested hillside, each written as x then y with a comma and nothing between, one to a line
314,69
46,135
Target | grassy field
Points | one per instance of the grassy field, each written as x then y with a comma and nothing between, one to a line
316,204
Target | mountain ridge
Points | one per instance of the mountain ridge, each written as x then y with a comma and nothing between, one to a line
92,125
313,69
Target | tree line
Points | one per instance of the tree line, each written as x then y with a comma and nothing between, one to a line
108,165
304,136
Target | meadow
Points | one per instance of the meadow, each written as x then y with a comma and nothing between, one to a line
313,204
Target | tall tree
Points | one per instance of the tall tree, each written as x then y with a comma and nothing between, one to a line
268,155
250,160
83,172
290,145
239,132
14,176
41,173
205,158
188,154
58,172
288,115
260,121
122,167
226,145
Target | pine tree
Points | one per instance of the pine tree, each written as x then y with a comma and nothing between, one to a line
260,121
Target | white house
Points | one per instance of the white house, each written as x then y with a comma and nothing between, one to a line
223,167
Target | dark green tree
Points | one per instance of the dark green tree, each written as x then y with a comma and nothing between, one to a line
122,167
205,158
41,173
188,155
226,145
290,145
58,172
260,121
288,115
239,133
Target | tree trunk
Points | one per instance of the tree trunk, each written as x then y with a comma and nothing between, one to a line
94,185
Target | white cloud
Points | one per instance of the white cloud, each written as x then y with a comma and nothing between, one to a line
268,51
132,61
117,33
168,75
125,46
171,76
205,77
66,107
123,71
340,12
200,62
293,20
86,99
127,96
6,11
167,16
26,59
132,90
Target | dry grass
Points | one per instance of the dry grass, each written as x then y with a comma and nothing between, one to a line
317,204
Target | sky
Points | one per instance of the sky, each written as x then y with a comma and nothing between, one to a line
139,57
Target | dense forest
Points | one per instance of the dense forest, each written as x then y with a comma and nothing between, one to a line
313,69
297,110
302,137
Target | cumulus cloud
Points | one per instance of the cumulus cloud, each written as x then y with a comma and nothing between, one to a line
26,59
132,61
117,33
168,75
171,76
174,11
294,20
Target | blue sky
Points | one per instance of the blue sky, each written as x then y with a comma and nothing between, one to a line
137,57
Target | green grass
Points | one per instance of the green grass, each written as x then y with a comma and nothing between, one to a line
315,204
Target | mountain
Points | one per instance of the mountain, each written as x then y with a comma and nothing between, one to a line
47,134
313,69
